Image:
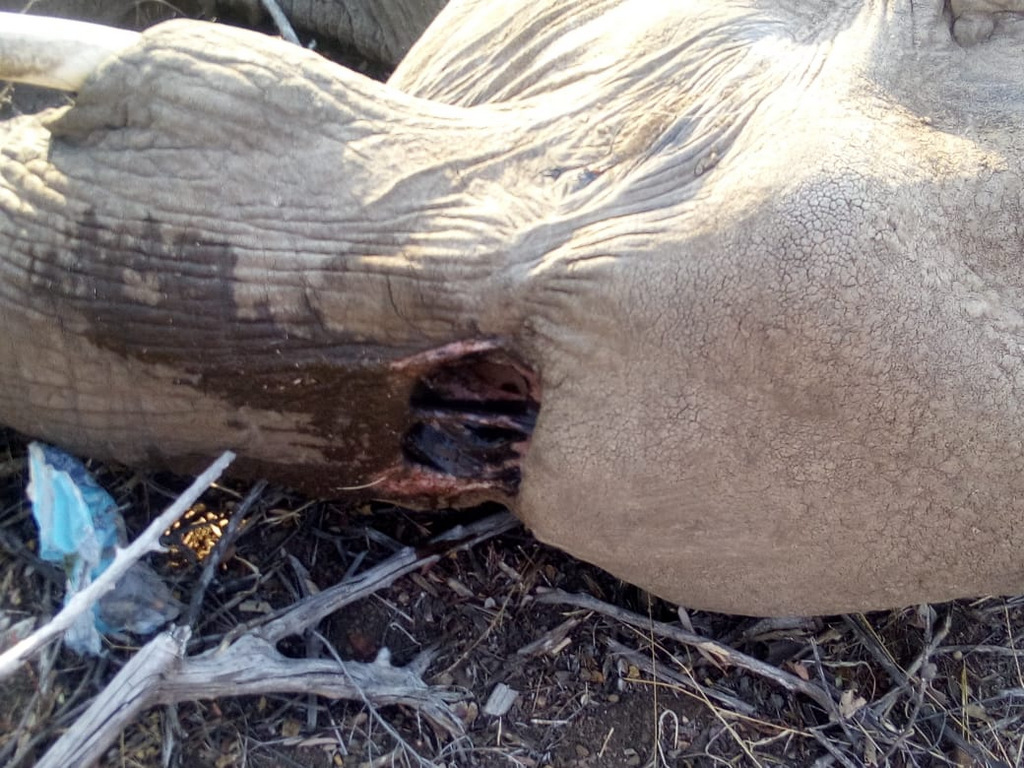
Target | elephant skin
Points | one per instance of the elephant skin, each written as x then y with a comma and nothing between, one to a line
724,297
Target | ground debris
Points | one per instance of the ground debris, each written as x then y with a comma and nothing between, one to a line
560,685
500,701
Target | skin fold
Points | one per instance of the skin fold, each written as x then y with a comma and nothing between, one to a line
723,297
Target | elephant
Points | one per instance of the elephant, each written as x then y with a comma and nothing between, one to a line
726,298
380,30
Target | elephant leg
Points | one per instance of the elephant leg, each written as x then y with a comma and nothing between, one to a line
381,30
975,21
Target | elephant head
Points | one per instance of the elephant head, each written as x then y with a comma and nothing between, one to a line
724,297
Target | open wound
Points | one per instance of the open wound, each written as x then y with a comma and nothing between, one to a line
472,417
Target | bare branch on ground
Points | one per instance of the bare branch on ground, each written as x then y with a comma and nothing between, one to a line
250,664
723,653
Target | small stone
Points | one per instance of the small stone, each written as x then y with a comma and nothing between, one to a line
500,701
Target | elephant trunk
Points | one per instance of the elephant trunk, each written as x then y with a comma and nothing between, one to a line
228,242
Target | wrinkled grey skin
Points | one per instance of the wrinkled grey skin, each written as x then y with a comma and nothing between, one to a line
764,257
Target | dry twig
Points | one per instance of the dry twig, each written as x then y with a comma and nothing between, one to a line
671,677
723,653
933,718
305,613
251,663
219,549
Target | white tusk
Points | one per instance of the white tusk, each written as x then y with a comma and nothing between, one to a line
56,53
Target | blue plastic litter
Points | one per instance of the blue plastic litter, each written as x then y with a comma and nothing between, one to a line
80,529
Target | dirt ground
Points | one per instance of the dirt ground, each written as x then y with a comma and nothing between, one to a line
928,686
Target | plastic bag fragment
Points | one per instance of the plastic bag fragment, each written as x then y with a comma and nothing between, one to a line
80,529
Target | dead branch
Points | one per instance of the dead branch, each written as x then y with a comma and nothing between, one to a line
281,21
551,641
160,674
305,613
671,677
135,688
250,664
934,719
722,653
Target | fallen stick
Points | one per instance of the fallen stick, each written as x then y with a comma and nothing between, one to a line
722,653
250,664
147,541
130,692
297,617
160,674
663,674
935,719
226,540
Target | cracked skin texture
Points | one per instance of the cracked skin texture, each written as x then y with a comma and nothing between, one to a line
764,258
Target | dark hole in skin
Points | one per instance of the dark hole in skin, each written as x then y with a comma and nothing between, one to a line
473,418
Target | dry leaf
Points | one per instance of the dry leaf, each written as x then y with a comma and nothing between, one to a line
849,703
799,670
